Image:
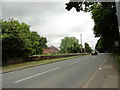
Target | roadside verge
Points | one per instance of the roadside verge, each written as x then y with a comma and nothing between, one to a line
21,66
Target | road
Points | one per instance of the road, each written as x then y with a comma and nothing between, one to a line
72,73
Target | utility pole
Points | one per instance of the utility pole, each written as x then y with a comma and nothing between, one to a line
81,42
92,45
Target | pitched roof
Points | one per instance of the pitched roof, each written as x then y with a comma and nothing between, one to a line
53,47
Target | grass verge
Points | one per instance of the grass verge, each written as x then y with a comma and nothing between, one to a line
117,61
32,64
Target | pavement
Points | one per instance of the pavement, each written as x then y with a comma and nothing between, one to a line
105,77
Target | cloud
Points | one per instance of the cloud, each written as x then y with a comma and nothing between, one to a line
51,19
36,1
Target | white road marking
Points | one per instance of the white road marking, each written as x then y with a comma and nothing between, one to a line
36,75
73,63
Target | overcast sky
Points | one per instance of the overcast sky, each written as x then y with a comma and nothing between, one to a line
51,20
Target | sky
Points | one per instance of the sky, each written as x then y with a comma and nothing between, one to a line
52,20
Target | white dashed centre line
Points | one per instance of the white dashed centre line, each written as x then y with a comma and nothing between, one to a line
73,63
36,75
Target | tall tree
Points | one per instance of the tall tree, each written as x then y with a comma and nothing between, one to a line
37,43
87,48
100,45
19,41
15,41
104,16
70,45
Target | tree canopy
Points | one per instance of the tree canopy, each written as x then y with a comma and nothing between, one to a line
99,45
19,41
87,48
70,45
105,18
37,42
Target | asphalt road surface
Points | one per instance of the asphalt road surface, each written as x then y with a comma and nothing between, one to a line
72,73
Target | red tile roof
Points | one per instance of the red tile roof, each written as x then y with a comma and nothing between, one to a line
51,49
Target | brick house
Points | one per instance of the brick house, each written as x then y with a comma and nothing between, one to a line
51,49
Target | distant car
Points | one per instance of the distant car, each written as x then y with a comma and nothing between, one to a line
94,53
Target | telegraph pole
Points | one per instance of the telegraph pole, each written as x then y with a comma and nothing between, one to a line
81,42
92,45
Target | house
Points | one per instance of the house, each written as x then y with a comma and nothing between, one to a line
51,49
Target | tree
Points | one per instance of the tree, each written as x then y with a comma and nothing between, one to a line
99,46
87,48
106,25
105,18
37,43
19,41
70,45
15,41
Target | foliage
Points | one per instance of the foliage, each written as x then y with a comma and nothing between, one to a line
70,45
19,41
37,42
106,24
116,57
99,46
15,39
87,48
